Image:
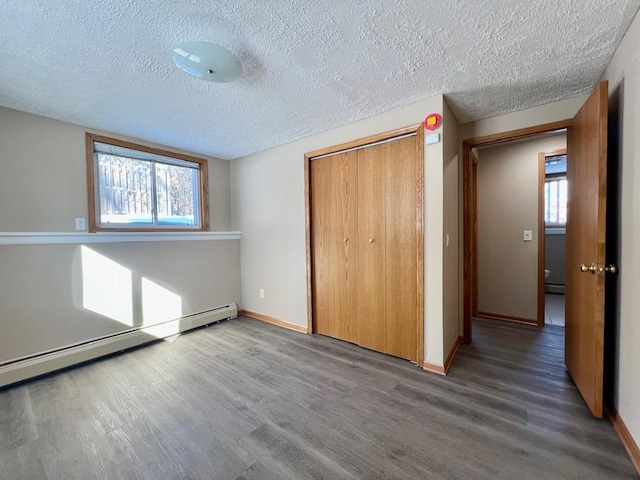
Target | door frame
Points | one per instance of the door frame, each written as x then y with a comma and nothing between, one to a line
470,212
418,130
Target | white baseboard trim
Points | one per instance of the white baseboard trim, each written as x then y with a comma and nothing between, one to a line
44,363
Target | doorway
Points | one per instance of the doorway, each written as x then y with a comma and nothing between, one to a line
519,206
555,214
587,267
470,147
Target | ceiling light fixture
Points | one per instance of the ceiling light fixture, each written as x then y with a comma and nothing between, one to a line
207,61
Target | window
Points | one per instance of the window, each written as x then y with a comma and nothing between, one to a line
555,201
133,187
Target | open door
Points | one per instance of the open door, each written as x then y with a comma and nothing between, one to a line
586,267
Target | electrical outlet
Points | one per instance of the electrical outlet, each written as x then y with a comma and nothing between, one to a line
528,235
262,293
81,224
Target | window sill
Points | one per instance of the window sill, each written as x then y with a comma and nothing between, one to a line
67,238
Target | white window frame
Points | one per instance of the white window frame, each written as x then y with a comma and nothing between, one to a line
96,144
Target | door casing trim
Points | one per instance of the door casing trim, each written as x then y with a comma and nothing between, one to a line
469,212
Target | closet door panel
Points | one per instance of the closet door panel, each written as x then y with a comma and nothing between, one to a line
333,226
401,279
371,249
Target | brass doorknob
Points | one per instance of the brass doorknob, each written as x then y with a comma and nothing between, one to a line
611,269
591,268
371,240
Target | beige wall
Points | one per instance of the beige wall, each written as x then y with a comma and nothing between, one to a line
43,297
452,312
508,205
43,177
623,75
268,206
45,290
530,117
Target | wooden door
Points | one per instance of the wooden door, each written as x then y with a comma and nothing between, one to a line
371,239
333,245
400,163
387,243
587,179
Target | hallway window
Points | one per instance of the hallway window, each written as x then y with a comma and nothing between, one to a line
555,201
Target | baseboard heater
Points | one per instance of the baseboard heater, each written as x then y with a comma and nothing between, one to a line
24,368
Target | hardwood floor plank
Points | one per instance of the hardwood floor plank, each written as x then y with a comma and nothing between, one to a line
246,400
17,421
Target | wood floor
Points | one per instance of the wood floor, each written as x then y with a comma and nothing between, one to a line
247,400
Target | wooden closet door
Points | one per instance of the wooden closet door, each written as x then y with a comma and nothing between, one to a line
387,240
401,279
333,245
371,248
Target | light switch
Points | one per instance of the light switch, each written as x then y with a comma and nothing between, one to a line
528,235
262,293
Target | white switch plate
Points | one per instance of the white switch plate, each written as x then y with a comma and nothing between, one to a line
528,235
262,293
432,139
447,240
81,224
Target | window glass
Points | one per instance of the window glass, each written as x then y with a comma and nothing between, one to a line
146,188
555,201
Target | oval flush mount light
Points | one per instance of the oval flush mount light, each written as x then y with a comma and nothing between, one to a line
207,61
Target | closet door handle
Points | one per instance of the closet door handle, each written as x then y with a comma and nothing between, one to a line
345,240
371,240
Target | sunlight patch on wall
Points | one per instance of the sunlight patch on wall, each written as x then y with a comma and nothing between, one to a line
106,287
160,305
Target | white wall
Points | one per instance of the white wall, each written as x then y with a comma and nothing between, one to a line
44,289
268,206
623,74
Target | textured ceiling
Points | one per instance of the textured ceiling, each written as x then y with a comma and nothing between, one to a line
308,65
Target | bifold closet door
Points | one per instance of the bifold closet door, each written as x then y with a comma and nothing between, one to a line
401,262
387,236
333,244
370,291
